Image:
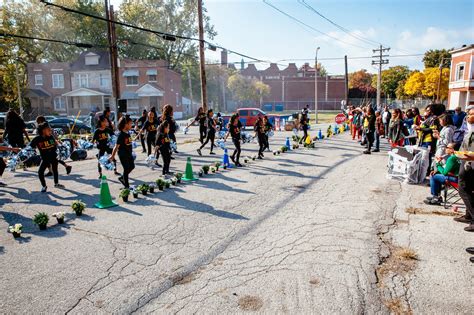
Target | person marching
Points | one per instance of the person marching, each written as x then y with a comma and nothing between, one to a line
163,144
268,127
168,116
101,137
150,127
304,125
234,130
259,129
211,132
219,122
201,118
124,149
47,145
15,129
139,125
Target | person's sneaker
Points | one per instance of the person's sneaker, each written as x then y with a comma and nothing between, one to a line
2,184
259,157
158,164
462,219
100,175
176,151
117,173
212,153
121,180
199,152
376,150
68,169
239,165
366,152
172,158
471,259
58,186
469,228
48,174
470,250
430,197
436,201
44,189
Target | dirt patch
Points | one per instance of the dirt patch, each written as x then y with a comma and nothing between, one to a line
377,191
397,307
314,281
250,303
413,210
400,262
179,280
187,141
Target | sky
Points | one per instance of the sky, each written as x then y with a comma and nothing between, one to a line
254,28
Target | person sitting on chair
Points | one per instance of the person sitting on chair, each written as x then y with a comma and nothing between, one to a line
441,173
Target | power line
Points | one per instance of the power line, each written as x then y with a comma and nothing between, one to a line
309,26
80,45
352,58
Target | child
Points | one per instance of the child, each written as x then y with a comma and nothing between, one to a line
168,116
234,130
268,127
47,146
124,149
304,126
163,145
101,137
201,118
42,120
211,132
150,127
259,129
2,162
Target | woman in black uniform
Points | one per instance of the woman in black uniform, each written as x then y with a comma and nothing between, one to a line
201,118
234,130
124,149
101,137
259,129
268,127
211,132
150,128
139,125
163,145
304,126
168,116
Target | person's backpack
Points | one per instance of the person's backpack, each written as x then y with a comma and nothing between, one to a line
78,154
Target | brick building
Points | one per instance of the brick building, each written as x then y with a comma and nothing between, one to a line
461,80
85,85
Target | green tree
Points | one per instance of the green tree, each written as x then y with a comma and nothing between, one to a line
245,89
360,79
432,58
390,80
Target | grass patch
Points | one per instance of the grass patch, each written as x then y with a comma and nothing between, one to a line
250,303
397,307
401,261
413,210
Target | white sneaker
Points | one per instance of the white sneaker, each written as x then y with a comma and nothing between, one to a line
58,186
44,189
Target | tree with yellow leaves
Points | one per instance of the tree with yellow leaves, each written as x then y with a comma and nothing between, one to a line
415,84
432,78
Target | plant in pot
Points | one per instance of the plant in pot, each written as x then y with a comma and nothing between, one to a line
253,158
217,165
224,166
152,188
246,160
200,173
135,192
167,183
15,230
41,219
205,169
173,181
274,152
213,169
124,193
78,207
283,149
178,176
160,183
59,217
143,188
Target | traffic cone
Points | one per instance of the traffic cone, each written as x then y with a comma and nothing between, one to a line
189,175
308,140
225,159
105,197
288,144
320,135
336,131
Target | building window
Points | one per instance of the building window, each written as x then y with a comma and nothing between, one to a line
152,78
104,80
92,60
106,102
58,81
38,79
83,80
132,80
59,103
460,71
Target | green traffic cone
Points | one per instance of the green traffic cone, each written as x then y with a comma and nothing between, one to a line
105,197
188,175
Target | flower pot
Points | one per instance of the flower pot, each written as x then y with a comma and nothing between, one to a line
60,220
125,198
200,174
16,234
145,193
213,171
78,213
135,195
42,226
178,180
206,172
161,188
152,190
173,183
225,167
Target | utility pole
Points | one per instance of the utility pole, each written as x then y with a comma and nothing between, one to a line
316,86
113,56
190,91
380,61
201,58
20,101
346,81
438,99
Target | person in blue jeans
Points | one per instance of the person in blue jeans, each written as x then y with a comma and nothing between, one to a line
448,171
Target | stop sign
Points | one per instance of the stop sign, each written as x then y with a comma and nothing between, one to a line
340,118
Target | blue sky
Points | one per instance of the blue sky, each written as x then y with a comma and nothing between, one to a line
408,27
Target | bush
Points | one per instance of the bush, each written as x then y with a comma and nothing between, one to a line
41,218
124,193
78,206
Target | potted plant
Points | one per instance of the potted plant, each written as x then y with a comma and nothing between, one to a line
178,176
167,183
124,193
217,165
283,149
78,207
173,181
152,188
41,219
224,166
205,169
135,192
143,188
213,169
246,160
15,230
274,152
200,173
253,158
160,183
59,217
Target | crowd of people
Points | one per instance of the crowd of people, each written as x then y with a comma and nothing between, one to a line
449,137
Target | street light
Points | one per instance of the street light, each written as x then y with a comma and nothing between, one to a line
316,86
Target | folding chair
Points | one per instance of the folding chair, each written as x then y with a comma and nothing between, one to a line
451,192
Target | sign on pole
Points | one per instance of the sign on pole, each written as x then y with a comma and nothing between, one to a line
340,119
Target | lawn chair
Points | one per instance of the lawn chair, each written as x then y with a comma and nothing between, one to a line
451,193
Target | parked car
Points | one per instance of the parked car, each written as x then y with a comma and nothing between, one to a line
66,123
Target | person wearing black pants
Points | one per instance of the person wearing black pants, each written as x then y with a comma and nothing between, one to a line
259,129
15,129
150,128
201,118
163,145
268,127
234,130
101,137
369,125
47,145
211,132
168,116
304,126
139,125
124,149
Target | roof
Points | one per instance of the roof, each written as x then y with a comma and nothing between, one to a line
36,93
85,92
80,63
464,47
127,95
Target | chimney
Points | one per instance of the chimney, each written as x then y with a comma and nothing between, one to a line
224,57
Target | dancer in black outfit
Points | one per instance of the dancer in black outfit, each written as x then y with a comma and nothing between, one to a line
268,127
211,132
101,137
304,126
139,125
124,149
15,129
47,145
201,118
163,145
168,116
149,127
259,129
234,130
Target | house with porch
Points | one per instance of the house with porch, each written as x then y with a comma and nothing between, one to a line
461,78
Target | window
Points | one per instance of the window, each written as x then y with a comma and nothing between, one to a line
58,81
254,113
243,113
38,79
92,60
82,80
132,80
59,103
104,80
152,78
460,71
106,102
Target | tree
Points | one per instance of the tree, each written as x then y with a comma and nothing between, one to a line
415,84
322,70
432,77
245,89
432,58
390,79
360,79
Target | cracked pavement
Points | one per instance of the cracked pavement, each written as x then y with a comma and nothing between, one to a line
299,232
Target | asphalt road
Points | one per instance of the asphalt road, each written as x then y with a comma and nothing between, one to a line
295,233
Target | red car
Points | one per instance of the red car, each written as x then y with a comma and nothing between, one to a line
250,115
